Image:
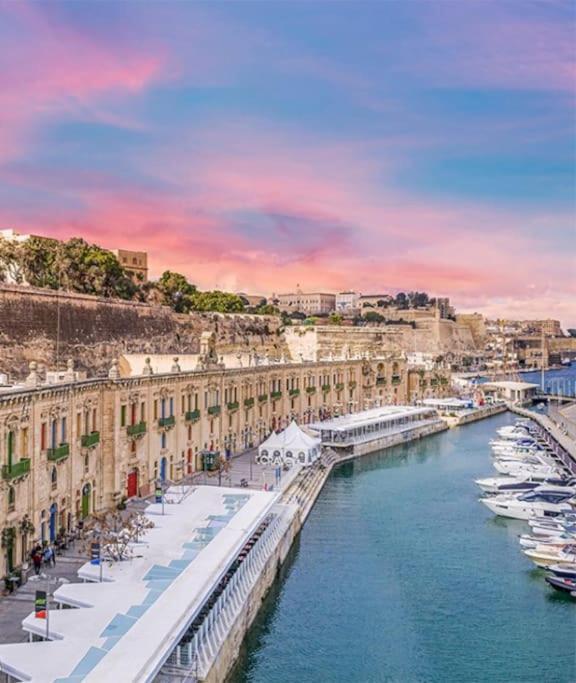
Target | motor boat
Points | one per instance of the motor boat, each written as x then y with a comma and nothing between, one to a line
504,484
530,504
527,541
513,431
562,584
545,532
524,470
544,555
565,522
565,571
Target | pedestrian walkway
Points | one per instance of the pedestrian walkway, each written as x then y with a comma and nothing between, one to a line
18,605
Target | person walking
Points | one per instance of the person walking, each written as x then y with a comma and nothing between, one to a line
37,560
48,556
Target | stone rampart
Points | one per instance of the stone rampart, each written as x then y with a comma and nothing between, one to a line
41,325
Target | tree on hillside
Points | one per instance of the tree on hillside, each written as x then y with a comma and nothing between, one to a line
40,258
10,261
401,300
222,302
89,269
266,309
176,291
373,317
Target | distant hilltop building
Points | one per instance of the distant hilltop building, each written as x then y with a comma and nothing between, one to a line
347,302
135,263
310,303
375,300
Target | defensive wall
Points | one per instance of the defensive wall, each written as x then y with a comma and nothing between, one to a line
41,324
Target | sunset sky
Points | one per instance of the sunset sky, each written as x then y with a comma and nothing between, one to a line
379,146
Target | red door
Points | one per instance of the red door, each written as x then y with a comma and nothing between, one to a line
133,484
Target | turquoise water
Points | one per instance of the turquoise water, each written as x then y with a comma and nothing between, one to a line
400,575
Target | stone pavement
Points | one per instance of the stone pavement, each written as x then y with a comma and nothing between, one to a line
18,605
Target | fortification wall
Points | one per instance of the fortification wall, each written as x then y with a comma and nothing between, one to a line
429,336
93,330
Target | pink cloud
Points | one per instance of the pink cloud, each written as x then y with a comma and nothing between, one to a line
263,212
49,70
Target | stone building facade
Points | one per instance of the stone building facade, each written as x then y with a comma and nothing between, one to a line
71,449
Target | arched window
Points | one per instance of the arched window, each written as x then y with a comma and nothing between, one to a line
54,478
11,499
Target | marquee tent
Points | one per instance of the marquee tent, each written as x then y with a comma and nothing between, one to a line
293,445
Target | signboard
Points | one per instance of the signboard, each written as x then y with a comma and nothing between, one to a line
158,494
95,553
40,605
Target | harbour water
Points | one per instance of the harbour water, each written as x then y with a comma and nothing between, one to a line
558,381
401,575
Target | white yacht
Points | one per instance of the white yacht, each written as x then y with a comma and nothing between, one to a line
531,504
544,555
516,431
495,485
521,469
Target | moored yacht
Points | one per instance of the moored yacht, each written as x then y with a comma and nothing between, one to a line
530,504
544,555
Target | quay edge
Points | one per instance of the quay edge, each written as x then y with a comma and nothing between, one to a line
299,498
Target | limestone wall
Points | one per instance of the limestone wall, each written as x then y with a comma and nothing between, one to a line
430,336
94,330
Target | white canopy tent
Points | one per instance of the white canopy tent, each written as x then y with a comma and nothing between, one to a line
293,445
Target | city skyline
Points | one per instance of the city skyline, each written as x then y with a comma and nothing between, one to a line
410,146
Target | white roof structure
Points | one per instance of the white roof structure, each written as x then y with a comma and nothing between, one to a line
127,626
518,386
291,445
366,417
448,402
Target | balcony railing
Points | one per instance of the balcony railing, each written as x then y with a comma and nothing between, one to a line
275,395
214,410
325,388
90,440
192,415
262,398
310,390
232,405
249,402
58,452
137,429
294,392
169,421
380,381
17,469
396,379
340,386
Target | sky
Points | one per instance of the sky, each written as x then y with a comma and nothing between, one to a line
257,146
